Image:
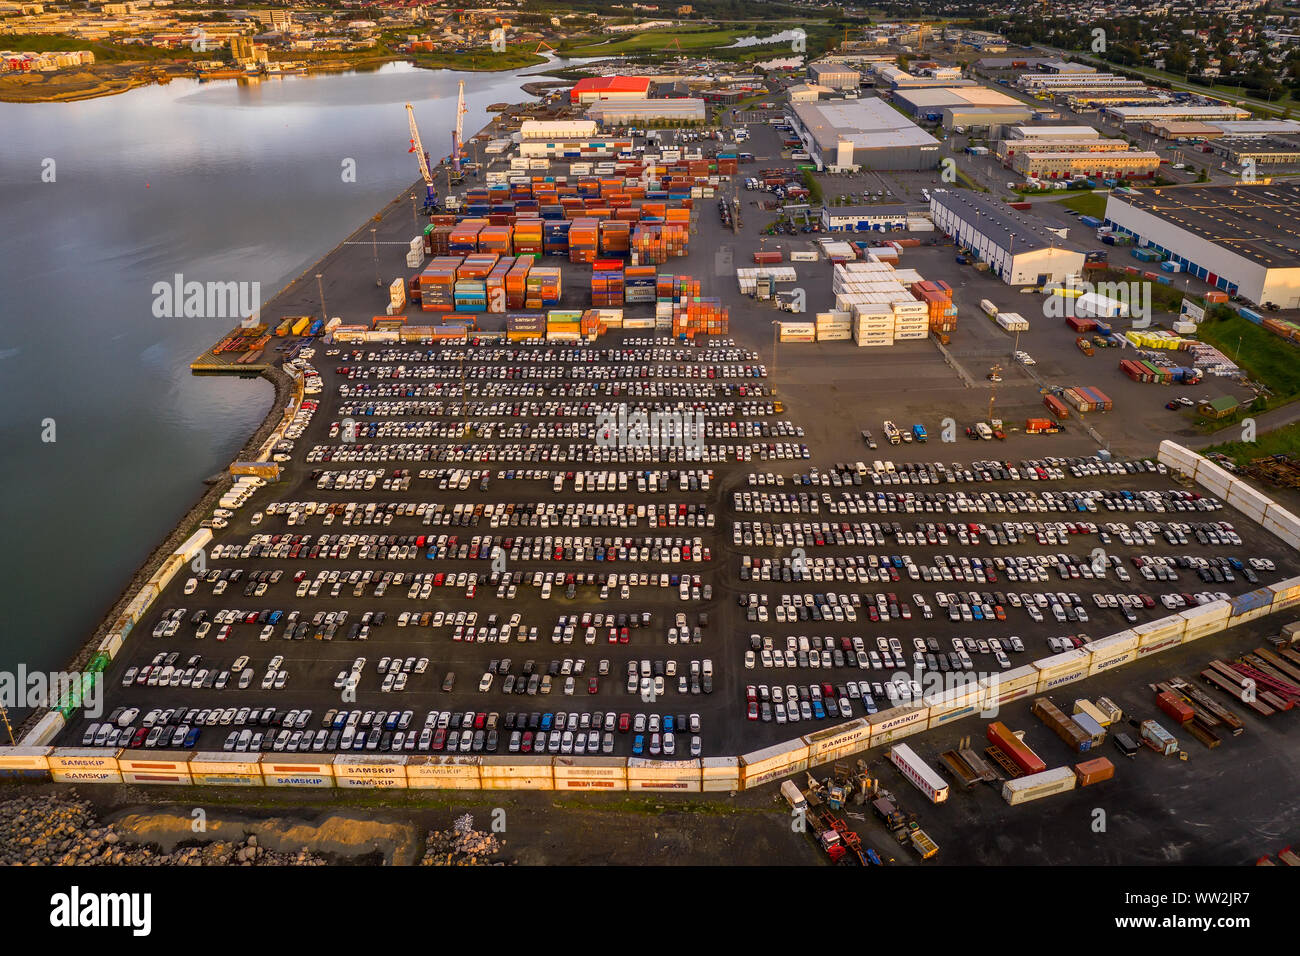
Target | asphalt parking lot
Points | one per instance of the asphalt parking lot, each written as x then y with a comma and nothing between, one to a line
830,392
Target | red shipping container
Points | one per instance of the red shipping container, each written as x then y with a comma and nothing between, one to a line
1080,324
1015,750
1094,771
1178,709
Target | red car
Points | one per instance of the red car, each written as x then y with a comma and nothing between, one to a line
624,722
592,685
752,710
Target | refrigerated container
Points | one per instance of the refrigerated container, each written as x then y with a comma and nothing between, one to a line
919,773
1035,786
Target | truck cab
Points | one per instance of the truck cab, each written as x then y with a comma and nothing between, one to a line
918,433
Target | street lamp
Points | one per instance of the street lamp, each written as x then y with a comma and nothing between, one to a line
320,288
374,253
776,328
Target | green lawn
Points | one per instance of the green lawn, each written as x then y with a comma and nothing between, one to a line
1283,441
1087,204
104,52
656,41
1264,356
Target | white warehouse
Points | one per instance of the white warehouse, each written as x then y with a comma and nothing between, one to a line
1018,251
1241,239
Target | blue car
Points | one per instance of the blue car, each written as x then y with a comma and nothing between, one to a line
976,612
546,721
638,744
191,739
668,723
818,710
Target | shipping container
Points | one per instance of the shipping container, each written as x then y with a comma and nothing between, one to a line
1014,748
1094,771
1175,707
1061,725
1035,786
1157,738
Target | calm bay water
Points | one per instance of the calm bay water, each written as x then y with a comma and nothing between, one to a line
218,181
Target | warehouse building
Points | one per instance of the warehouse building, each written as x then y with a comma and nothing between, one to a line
837,76
1058,83
1248,128
1155,114
899,79
1181,131
866,133
882,218
682,111
1117,164
1241,239
1261,152
1008,149
927,105
1063,66
595,88
1019,251
990,119
1049,131
808,92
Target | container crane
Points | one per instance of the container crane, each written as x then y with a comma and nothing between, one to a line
430,194
457,174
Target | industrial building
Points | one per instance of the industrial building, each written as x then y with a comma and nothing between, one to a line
1179,131
678,111
1246,128
1019,251
1058,83
1174,112
1066,164
928,105
808,92
837,76
1051,132
595,88
1063,66
1008,149
899,79
989,119
865,132
881,218
1244,240
1261,152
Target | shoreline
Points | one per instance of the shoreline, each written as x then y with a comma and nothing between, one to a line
113,86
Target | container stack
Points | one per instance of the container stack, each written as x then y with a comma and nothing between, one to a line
1013,322
555,237
698,315
1086,398
873,323
938,299
639,285
797,331
396,295
563,326
437,284
911,321
834,326
528,237
523,326
615,237
464,237
470,291
607,283
517,282
583,240
415,255
496,285
542,287
495,239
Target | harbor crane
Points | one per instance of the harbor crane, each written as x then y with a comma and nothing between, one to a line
457,175
430,194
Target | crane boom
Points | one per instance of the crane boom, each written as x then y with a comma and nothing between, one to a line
418,148
458,135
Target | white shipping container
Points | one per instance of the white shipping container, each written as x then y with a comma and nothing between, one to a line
1035,786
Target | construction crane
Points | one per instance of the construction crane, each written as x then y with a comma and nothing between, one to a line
430,194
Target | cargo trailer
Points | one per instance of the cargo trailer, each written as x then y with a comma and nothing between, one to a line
919,773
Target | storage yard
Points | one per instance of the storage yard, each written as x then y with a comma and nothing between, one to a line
569,504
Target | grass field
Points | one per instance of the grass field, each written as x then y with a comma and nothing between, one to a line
1283,441
657,41
1087,204
104,52
1262,354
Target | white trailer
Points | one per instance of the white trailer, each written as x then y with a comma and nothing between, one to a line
922,776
